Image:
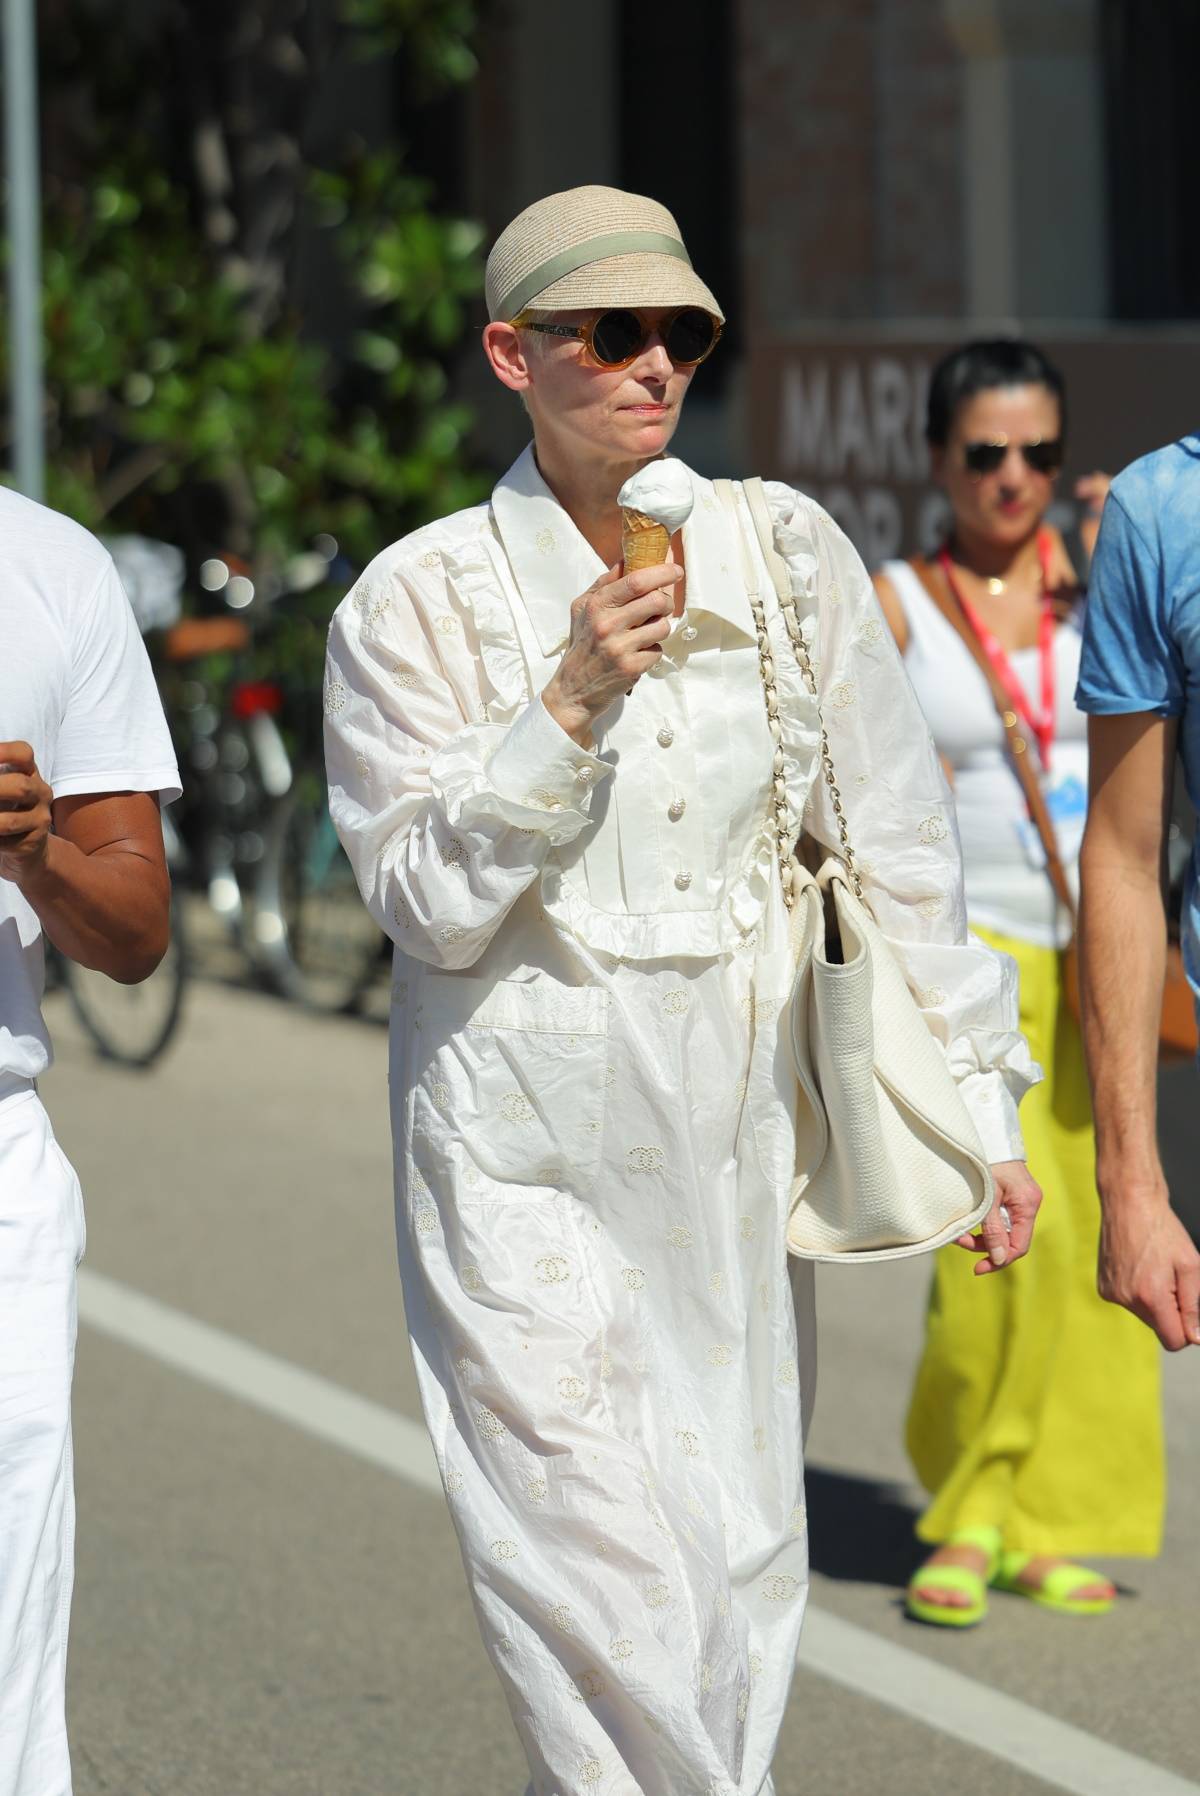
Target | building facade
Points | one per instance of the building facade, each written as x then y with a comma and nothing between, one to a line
865,183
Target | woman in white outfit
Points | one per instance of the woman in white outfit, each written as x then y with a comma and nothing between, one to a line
554,782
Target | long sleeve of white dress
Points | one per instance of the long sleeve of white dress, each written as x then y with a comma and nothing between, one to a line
448,819
901,822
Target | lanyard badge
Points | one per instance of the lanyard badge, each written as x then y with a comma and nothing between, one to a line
1039,721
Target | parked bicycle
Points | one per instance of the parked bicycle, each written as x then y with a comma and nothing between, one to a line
255,820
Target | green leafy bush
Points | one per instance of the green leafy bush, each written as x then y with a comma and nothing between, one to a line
186,397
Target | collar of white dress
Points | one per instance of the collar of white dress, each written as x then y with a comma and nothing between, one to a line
552,563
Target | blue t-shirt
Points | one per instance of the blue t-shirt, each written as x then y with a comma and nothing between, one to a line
1141,640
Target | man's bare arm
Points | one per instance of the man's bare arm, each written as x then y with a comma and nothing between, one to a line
1147,1262
92,867
1123,934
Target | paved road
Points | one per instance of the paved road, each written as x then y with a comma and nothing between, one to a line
269,1599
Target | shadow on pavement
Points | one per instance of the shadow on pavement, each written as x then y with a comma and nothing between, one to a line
859,1529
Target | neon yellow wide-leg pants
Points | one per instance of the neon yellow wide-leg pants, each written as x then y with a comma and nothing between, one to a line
1037,1408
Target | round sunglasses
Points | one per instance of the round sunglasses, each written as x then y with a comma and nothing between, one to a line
1042,457
615,339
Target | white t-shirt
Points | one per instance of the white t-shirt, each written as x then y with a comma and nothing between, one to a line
75,683
1007,886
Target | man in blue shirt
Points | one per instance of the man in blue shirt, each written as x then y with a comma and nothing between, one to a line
1140,681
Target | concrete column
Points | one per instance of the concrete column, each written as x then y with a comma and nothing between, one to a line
1033,142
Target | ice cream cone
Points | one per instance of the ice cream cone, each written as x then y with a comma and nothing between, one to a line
644,542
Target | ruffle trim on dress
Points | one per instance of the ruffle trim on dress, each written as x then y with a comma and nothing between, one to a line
479,586
801,736
799,551
799,711
665,935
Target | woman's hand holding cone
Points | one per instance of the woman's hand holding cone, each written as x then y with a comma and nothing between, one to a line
617,630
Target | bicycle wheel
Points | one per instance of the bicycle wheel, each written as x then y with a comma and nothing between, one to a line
131,1024
315,939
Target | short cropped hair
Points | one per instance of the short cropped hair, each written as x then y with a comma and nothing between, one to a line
981,366
535,344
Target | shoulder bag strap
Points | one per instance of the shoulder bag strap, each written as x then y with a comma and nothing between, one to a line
764,528
765,532
1026,774
726,492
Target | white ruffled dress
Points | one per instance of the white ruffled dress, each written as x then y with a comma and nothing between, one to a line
592,1123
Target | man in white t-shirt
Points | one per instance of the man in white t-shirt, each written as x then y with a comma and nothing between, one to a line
85,760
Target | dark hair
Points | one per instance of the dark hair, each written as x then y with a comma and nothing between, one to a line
977,368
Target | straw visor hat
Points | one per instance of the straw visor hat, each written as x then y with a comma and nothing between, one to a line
592,246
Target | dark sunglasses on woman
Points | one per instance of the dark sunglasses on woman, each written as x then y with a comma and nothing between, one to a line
1041,457
617,338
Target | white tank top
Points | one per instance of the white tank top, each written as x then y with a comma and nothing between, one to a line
1007,886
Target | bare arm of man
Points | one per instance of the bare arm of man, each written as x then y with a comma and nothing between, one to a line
92,867
1147,1260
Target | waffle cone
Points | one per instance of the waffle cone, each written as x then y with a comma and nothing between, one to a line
644,541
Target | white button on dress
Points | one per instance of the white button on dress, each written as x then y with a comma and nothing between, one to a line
676,808
665,736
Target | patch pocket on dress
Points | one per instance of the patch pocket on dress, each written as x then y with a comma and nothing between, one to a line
510,1086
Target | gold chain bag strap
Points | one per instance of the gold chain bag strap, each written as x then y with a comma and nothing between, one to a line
756,499
888,1162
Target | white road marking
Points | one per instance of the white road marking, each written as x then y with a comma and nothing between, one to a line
979,1715
1037,1743
305,1399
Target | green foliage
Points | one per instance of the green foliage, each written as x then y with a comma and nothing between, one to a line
434,34
180,406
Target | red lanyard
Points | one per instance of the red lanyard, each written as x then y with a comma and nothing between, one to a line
1040,723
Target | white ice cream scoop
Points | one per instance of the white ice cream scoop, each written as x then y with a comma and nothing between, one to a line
661,491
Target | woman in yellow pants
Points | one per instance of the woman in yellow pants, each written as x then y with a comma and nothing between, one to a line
1035,1421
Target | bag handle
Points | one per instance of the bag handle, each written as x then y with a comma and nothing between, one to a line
764,530
1026,774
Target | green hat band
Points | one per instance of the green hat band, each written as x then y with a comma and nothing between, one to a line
593,249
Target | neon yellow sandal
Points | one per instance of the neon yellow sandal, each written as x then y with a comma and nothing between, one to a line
956,1578
1056,1590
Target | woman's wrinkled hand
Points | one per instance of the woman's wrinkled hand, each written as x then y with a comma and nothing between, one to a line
1020,1198
618,627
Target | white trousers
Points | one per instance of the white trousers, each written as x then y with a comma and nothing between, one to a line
41,1243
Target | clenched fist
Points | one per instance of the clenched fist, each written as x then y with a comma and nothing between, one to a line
617,629
25,821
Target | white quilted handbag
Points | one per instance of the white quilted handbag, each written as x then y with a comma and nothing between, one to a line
888,1162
